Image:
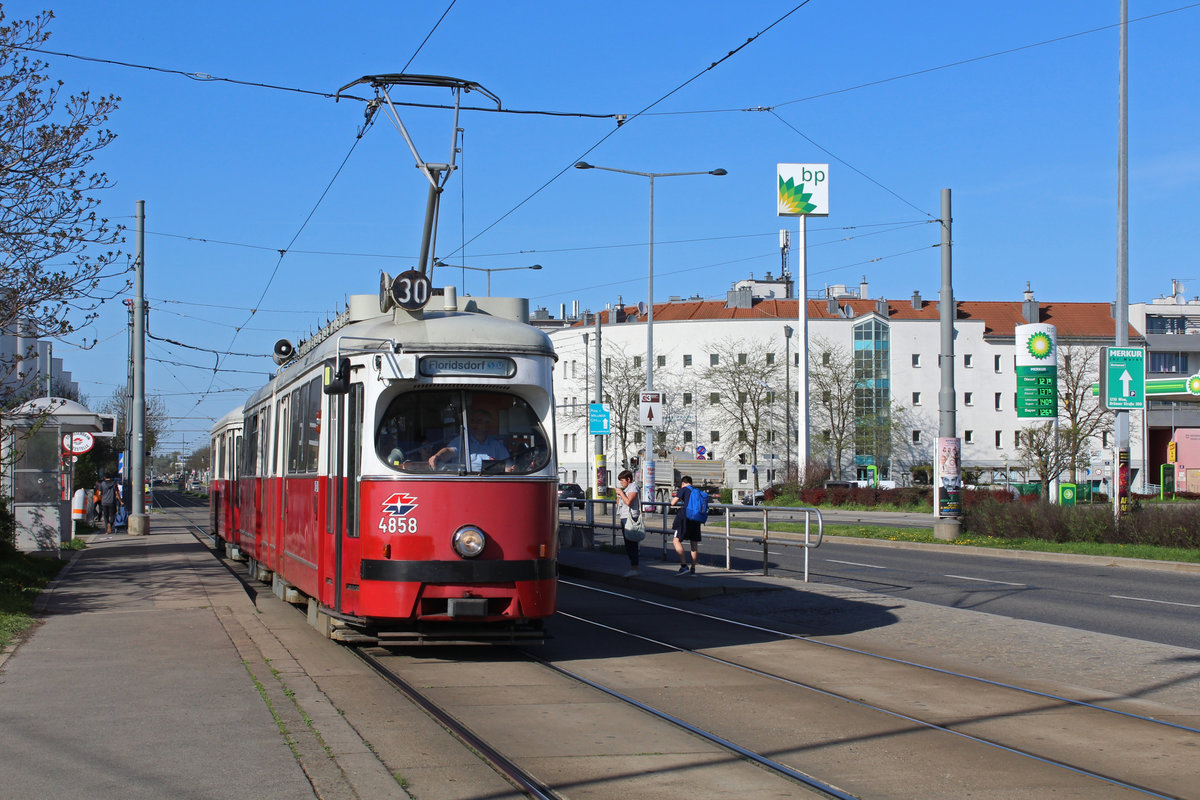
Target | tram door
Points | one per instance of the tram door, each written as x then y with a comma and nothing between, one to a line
346,415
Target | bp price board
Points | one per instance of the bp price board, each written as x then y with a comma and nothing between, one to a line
1037,371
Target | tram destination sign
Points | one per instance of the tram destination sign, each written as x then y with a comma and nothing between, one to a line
468,366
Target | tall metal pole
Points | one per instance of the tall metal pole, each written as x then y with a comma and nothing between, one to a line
139,523
600,465
802,413
787,401
1121,424
648,462
946,527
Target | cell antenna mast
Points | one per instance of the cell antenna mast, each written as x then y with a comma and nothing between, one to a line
437,174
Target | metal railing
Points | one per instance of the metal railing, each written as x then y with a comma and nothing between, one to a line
590,517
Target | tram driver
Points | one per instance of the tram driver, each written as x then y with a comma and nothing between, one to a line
481,444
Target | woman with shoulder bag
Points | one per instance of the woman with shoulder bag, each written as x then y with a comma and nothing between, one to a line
629,509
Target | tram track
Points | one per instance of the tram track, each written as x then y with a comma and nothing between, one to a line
1050,730
1075,746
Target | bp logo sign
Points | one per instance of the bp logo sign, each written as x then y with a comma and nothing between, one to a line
1040,345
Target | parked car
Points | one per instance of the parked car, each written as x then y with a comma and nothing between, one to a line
571,494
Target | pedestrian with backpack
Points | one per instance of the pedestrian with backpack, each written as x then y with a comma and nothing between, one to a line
110,497
692,513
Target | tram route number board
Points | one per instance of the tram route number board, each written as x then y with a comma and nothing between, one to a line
1037,391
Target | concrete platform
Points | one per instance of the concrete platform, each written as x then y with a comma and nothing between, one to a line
146,677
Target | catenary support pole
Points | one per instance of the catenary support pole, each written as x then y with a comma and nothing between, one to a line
1121,470
946,527
139,523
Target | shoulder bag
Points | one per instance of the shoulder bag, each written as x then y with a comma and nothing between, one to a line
635,527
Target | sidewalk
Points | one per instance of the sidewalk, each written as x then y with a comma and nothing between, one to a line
151,675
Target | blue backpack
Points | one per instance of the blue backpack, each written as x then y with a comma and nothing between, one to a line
697,505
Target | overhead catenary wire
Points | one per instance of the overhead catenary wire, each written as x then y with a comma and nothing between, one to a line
630,119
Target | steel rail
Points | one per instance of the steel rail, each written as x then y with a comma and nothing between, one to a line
892,659
503,765
757,758
888,712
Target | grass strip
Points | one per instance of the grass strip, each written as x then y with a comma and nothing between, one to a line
924,535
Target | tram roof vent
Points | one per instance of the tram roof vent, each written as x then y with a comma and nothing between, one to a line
362,306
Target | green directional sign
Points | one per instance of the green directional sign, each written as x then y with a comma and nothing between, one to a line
1123,377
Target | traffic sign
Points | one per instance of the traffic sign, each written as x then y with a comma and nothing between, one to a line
1123,377
77,443
650,409
599,419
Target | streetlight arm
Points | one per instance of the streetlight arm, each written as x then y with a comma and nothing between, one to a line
651,175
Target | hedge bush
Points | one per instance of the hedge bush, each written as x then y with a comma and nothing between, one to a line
1149,524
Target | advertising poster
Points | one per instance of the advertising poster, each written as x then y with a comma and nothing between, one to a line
1123,481
949,476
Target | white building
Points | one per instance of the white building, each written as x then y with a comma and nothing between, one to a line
22,378
900,340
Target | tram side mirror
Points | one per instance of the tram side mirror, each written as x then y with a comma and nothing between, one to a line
336,376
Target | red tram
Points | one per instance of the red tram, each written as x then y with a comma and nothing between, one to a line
226,453
398,475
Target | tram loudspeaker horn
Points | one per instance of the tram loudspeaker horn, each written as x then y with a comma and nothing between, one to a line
283,351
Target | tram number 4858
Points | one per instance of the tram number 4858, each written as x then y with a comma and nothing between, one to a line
411,290
390,524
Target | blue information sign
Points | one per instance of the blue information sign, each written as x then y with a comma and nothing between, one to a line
599,420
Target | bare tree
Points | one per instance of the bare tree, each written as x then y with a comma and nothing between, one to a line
742,383
624,380
52,242
156,417
1041,451
831,386
1078,369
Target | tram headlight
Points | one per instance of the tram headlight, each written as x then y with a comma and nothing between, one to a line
469,542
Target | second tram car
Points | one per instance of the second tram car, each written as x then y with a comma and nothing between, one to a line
226,454
398,474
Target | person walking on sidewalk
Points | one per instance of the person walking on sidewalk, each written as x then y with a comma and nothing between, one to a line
110,497
685,529
628,506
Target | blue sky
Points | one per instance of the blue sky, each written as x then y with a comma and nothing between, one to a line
1026,141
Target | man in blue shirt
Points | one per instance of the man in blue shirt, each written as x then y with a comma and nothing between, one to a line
480,444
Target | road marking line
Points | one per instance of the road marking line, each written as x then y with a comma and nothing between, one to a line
752,550
983,580
854,564
1148,600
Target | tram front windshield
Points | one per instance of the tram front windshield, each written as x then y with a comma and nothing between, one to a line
462,431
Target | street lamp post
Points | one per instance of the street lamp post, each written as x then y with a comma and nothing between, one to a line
488,270
648,464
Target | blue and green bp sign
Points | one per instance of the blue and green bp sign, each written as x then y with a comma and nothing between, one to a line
1037,371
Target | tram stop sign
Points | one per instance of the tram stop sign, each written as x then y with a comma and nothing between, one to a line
1123,377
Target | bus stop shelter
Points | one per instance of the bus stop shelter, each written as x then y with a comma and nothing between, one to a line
37,473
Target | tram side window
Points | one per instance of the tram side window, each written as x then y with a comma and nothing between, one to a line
462,432
250,439
305,405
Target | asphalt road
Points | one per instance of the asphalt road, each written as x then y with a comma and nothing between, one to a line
1087,594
